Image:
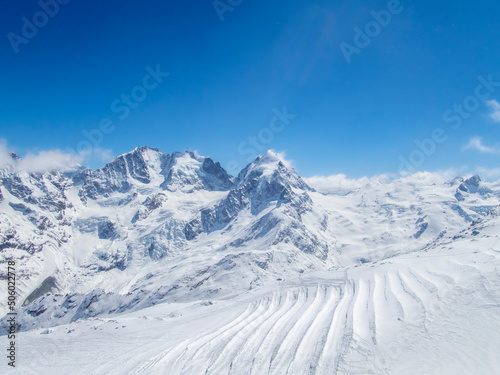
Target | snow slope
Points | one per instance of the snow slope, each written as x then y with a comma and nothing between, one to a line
431,311
166,264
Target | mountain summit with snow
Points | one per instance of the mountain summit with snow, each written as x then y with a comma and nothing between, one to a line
292,278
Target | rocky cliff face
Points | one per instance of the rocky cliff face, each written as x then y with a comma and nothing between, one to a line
470,186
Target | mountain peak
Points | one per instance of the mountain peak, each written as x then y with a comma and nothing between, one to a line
188,170
474,180
145,148
272,159
270,156
265,165
14,156
187,155
472,185
271,166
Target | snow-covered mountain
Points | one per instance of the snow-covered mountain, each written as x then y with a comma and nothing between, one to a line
149,232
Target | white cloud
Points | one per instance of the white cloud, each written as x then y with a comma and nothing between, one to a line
49,160
476,143
5,158
429,178
287,162
488,174
495,106
44,161
341,184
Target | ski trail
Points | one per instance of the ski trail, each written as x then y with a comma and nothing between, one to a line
392,300
384,314
262,360
323,329
253,344
370,308
222,363
361,324
331,351
288,348
312,343
172,360
198,361
417,289
412,308
421,276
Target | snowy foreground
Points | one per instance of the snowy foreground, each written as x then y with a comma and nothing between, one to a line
431,312
164,264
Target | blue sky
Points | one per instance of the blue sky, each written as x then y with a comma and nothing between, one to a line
233,71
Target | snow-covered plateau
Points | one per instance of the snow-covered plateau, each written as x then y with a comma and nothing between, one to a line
166,264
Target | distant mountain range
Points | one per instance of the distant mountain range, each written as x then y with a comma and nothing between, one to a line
151,228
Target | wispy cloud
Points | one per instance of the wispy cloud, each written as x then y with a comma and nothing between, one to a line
341,184
495,107
49,160
476,143
489,174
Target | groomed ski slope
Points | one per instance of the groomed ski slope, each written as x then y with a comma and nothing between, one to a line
436,311
354,327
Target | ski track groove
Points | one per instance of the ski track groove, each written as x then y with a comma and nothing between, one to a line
274,336
381,306
209,352
417,289
361,324
310,347
392,299
315,329
296,333
223,363
370,309
177,352
348,336
330,354
260,335
288,326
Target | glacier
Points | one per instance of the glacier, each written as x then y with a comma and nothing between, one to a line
166,264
